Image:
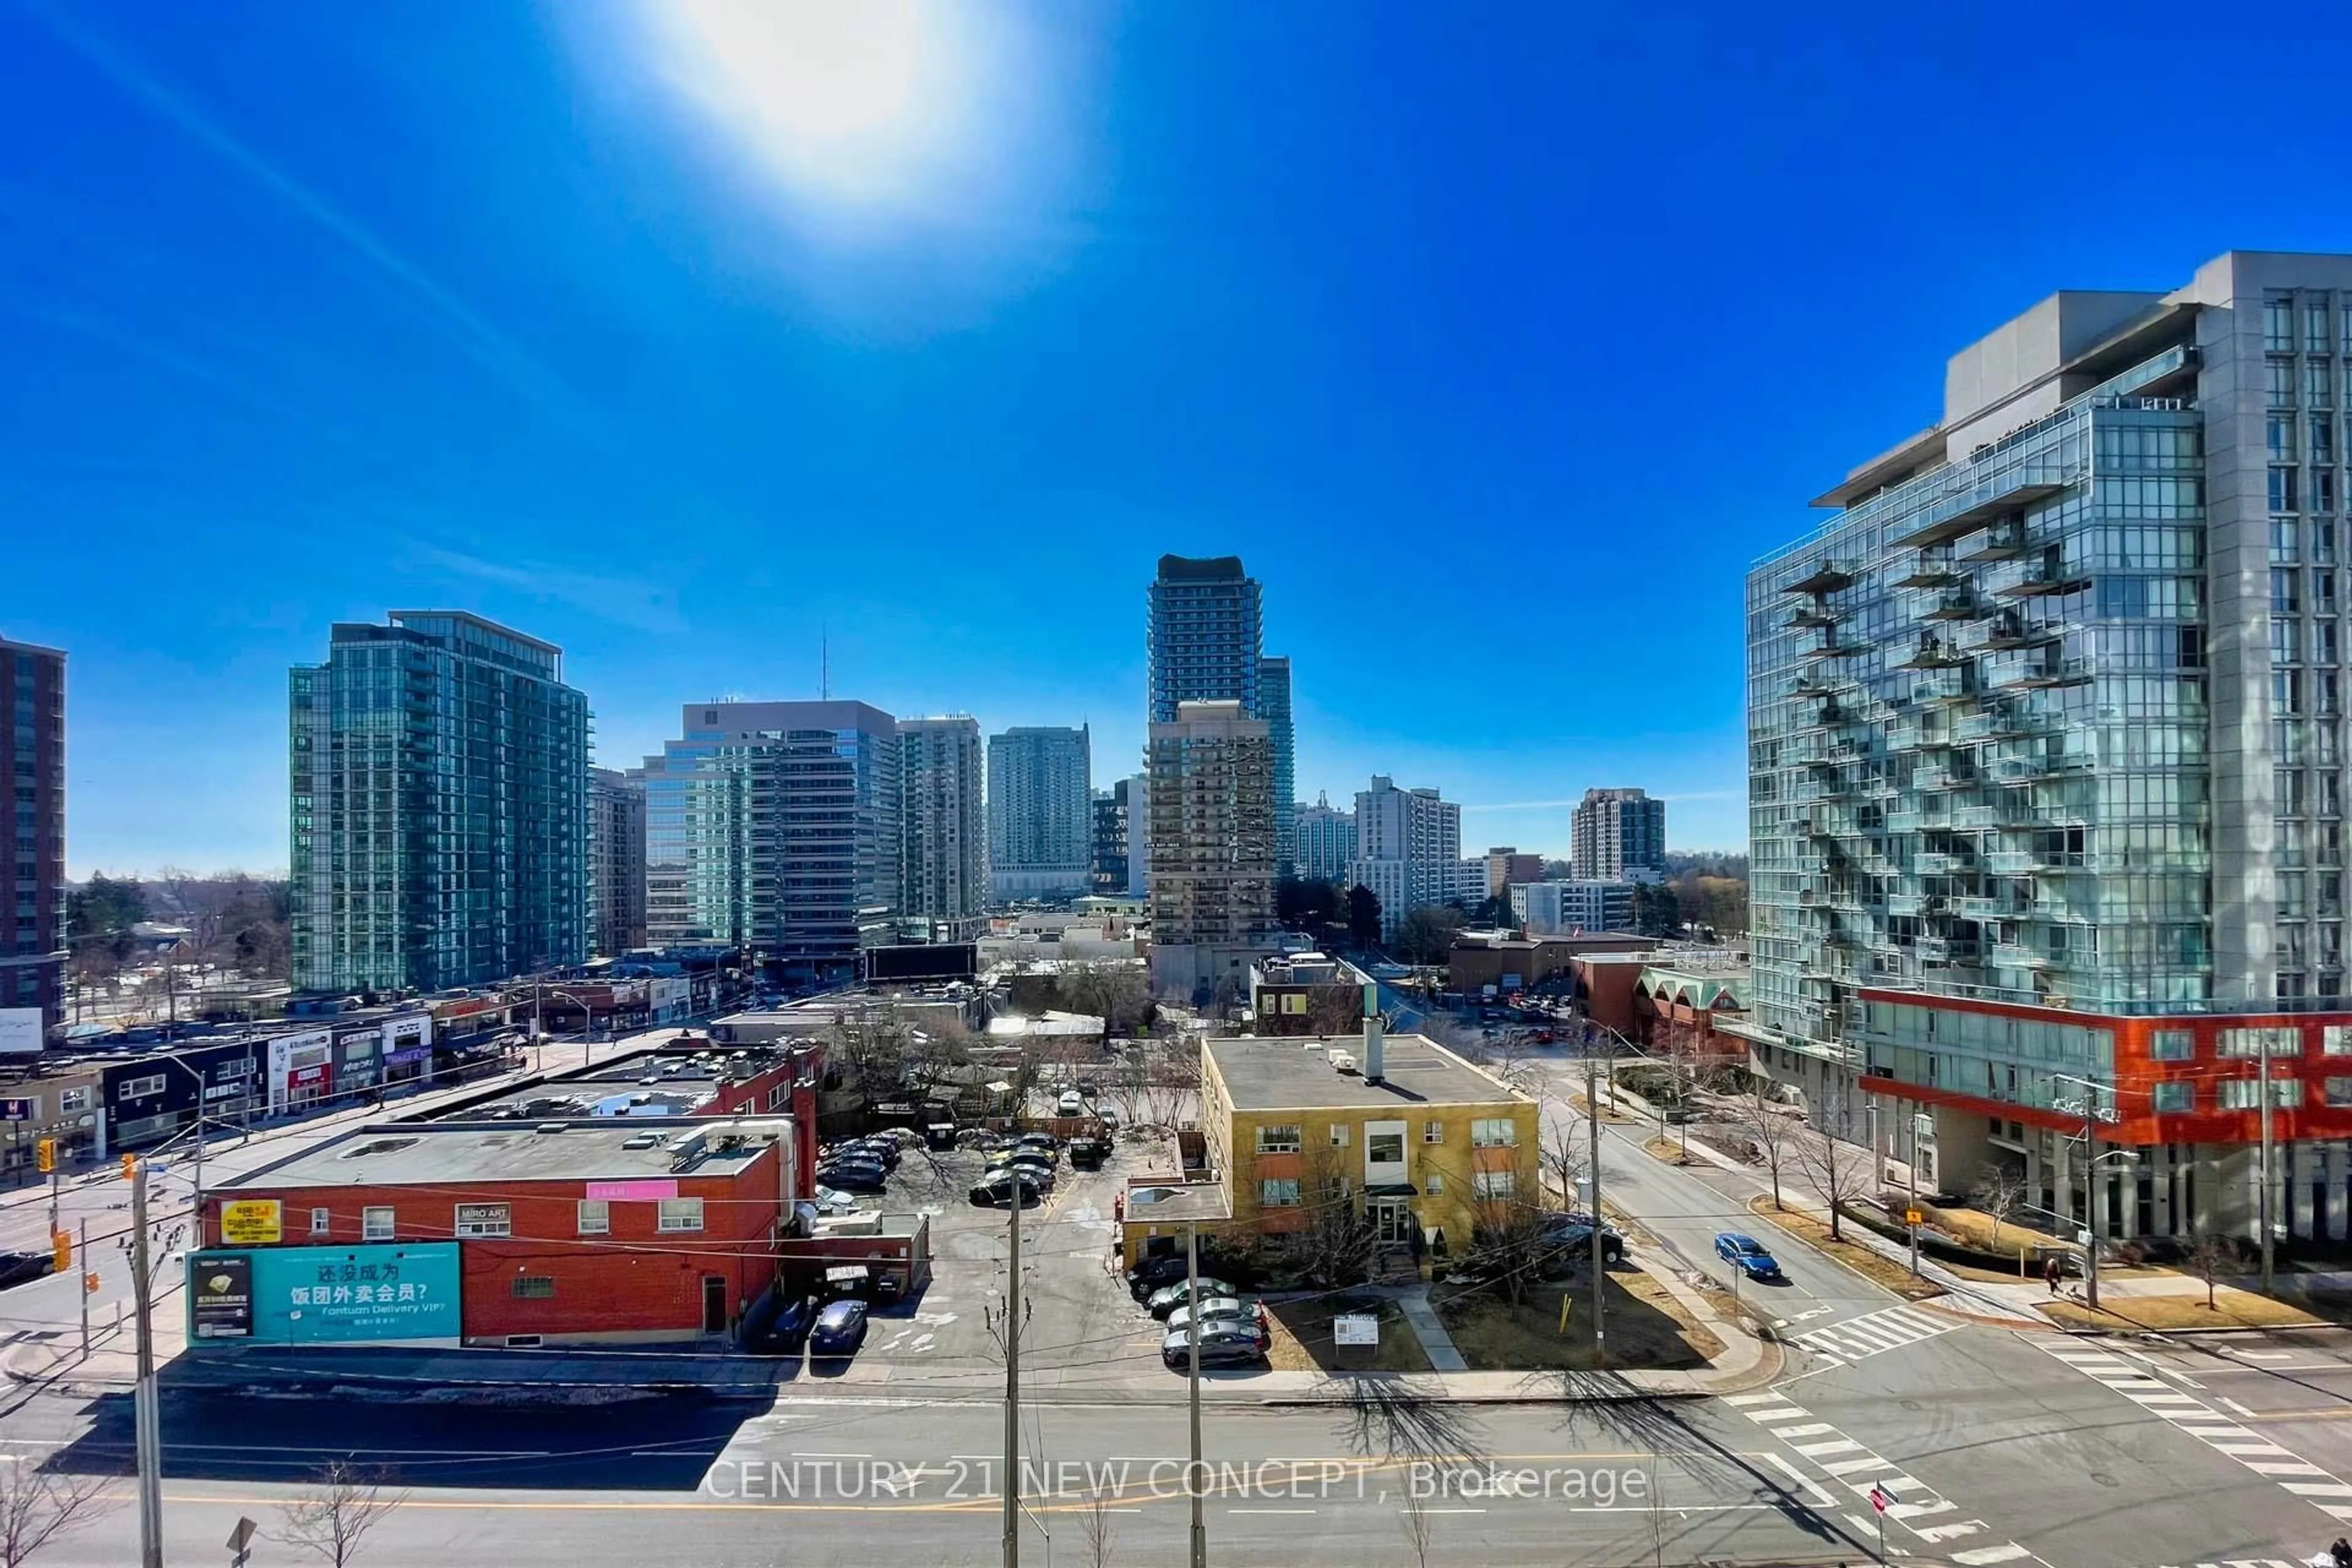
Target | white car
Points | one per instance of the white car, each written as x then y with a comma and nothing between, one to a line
833,1200
1073,1103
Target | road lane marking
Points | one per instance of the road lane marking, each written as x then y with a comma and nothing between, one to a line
1983,1556
1814,1489
2192,1416
1867,1472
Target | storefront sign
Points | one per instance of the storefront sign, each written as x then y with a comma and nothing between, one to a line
20,1031
220,1296
633,1191
251,1222
334,1295
407,1038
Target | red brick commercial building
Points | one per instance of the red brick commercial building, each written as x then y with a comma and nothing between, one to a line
632,1230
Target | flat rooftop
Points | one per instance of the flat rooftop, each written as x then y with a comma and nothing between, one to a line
662,1082
1294,1073
398,1153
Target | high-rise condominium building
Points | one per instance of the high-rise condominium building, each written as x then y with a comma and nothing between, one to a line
1116,810
943,836
775,825
33,755
439,773
1274,707
1325,839
2047,747
1205,635
1408,848
616,859
1506,868
1040,812
1618,836
1212,810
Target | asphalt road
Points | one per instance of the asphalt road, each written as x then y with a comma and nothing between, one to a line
1997,1448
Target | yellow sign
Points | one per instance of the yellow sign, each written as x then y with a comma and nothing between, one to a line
1913,1216
250,1222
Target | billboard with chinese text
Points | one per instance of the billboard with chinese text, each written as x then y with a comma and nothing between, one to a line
341,1295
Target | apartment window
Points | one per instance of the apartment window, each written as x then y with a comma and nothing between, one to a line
1433,1131
2323,489
140,1088
1433,1185
2323,438
2278,434
2322,539
1493,1132
1278,1193
2283,1041
2286,596
484,1219
2284,538
680,1215
323,1222
2287,1093
2172,1045
2318,384
2337,1090
2172,1098
1493,1183
72,1102
376,1224
1338,1136
2278,324
2240,1094
534,1287
1278,1140
2323,591
2282,491
2286,691
2278,378
1384,1148
595,1218
776,1093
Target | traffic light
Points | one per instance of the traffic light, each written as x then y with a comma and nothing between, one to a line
89,1283
131,1167
61,1250
44,1155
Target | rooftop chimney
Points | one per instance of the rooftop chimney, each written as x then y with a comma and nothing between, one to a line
1371,1035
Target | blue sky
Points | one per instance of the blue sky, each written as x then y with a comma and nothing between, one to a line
1496,339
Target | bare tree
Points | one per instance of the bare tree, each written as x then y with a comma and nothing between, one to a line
38,1507
1837,1169
1775,1135
2000,1193
1563,1161
334,1516
1415,1521
1095,1529
2212,1258
1508,1247
1336,1239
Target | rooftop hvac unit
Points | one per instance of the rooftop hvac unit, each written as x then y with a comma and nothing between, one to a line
1344,1061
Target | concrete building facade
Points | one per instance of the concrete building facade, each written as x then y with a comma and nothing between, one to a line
1274,707
2046,730
1618,836
943,827
33,758
438,775
616,859
1325,837
1572,908
1205,635
1506,868
1408,843
1040,812
1212,813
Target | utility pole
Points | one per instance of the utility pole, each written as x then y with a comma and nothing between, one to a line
1012,1387
1593,1135
2265,1169
1198,1557
2091,1198
84,1291
149,1431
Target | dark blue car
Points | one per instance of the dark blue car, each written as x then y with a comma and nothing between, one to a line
840,1330
1747,1254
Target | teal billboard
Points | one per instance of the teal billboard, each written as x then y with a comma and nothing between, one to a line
324,1295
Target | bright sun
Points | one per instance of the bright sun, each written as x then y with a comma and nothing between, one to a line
836,93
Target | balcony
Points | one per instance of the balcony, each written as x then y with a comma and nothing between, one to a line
1831,648
1964,606
1980,492
2012,630
1934,653
1978,816
2004,541
2049,672
1945,949
1813,615
2015,955
1906,905
1939,863
2045,581
1826,577
1933,570
1904,821
1976,907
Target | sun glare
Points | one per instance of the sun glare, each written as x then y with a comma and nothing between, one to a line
838,95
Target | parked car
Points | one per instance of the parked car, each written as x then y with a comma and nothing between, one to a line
1747,1254
854,1178
1155,1273
1226,1344
1045,1144
1088,1154
1072,1103
1166,1300
1572,1235
1220,1310
788,1331
833,1200
995,1189
840,1329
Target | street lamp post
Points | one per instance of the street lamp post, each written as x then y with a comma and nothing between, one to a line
540,994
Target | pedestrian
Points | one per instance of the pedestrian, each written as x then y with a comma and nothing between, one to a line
2051,1272
2342,1553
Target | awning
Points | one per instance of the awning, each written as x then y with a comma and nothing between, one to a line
1391,1190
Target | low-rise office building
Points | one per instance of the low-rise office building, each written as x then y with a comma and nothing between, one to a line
1572,908
485,1233
1307,993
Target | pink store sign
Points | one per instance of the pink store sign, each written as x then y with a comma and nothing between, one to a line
632,1192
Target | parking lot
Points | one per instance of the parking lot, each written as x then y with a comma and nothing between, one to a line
1080,1321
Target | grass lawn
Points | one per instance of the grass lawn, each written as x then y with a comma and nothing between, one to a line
1978,1230
1302,1337
2230,1309
1670,1150
1646,1327
1895,1277
1608,1113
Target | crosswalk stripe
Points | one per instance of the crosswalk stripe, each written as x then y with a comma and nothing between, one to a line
1776,1413
2318,1488
1822,1450
1950,1531
1984,1556
1842,1468
1810,1429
